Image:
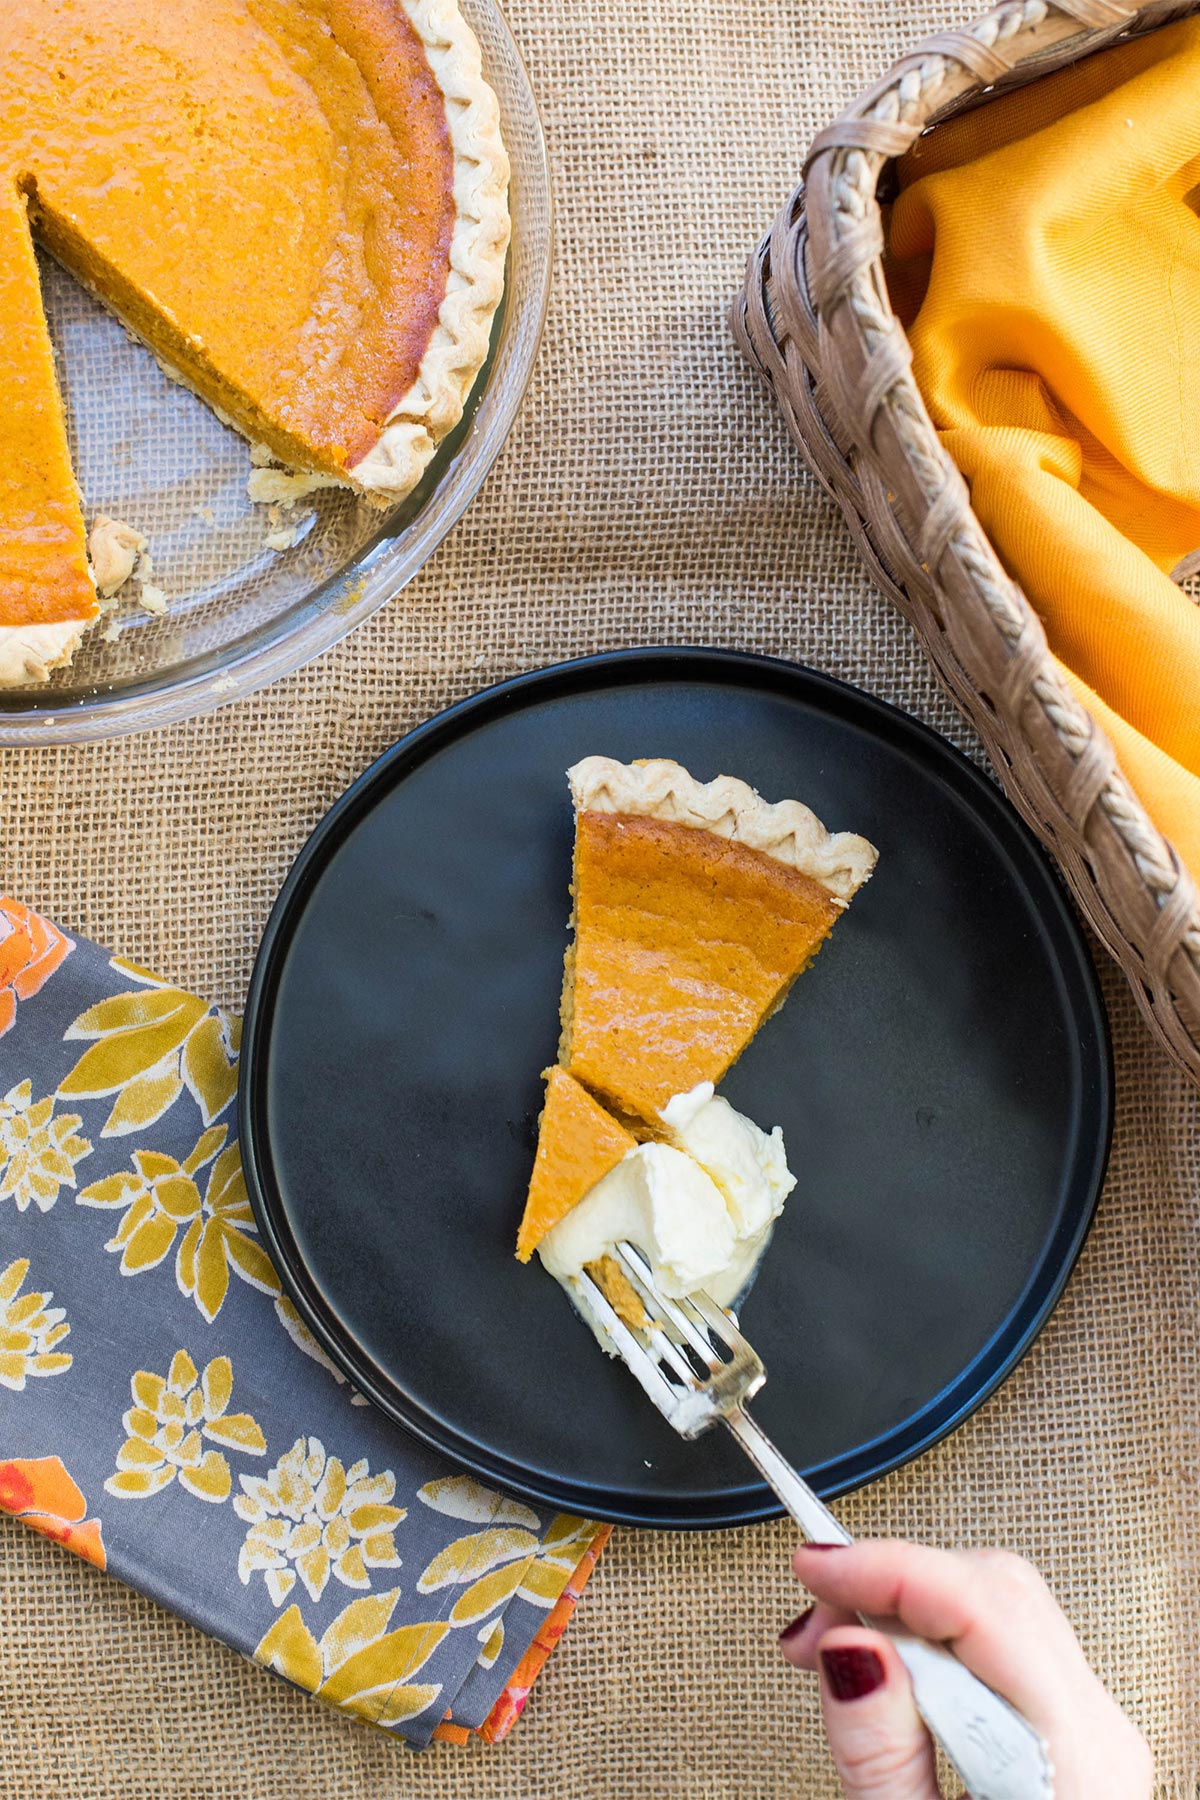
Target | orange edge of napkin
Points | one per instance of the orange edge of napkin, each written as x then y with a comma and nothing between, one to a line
511,1703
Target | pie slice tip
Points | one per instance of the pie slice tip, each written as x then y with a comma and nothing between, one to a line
578,1143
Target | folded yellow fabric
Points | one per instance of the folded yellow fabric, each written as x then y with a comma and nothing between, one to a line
1044,257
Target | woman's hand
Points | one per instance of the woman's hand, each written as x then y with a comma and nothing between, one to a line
999,1617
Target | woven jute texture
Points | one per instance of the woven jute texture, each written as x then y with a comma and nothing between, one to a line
648,495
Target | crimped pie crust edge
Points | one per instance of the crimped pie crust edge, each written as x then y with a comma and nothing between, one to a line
458,347
787,830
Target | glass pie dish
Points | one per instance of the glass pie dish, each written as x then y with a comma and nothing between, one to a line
240,612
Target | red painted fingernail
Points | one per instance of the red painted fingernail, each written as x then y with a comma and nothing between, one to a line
852,1674
792,1631
822,1546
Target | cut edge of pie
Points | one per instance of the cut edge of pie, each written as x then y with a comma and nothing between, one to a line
836,864
578,1143
456,351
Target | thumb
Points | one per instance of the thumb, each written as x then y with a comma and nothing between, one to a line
881,1748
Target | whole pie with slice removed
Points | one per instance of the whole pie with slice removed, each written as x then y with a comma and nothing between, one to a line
299,205
696,907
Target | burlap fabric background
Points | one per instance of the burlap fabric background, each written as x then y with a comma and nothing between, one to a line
648,495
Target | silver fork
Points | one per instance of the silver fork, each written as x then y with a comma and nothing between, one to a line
693,1362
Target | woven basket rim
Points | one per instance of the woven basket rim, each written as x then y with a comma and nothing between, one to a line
839,287
1146,843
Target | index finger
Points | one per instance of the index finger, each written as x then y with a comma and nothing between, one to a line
991,1607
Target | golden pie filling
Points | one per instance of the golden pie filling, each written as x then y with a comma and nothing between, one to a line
263,190
684,942
44,573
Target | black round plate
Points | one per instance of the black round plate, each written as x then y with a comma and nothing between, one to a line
941,1074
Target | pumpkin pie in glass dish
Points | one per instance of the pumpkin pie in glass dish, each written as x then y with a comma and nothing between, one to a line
300,206
697,905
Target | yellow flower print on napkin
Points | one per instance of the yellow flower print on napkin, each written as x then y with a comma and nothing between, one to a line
160,1196
561,1551
488,1565
506,1557
462,1497
29,1329
314,1518
491,1639
170,1417
38,1150
148,1045
358,1664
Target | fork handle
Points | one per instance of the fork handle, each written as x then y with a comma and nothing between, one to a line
996,1754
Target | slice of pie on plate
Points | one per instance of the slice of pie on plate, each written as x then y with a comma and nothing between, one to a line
697,904
299,205
696,907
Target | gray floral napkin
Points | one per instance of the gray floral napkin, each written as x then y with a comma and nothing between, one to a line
164,1411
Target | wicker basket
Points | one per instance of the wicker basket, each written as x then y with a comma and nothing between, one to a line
816,322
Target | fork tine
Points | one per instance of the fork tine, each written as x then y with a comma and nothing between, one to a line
658,1341
596,1308
690,1394
670,1353
661,1306
717,1319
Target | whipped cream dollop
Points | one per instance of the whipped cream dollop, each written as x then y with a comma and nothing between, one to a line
749,1165
700,1208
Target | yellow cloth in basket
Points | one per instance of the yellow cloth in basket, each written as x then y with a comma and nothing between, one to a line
1044,257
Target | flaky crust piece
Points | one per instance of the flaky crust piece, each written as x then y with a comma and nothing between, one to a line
28,653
